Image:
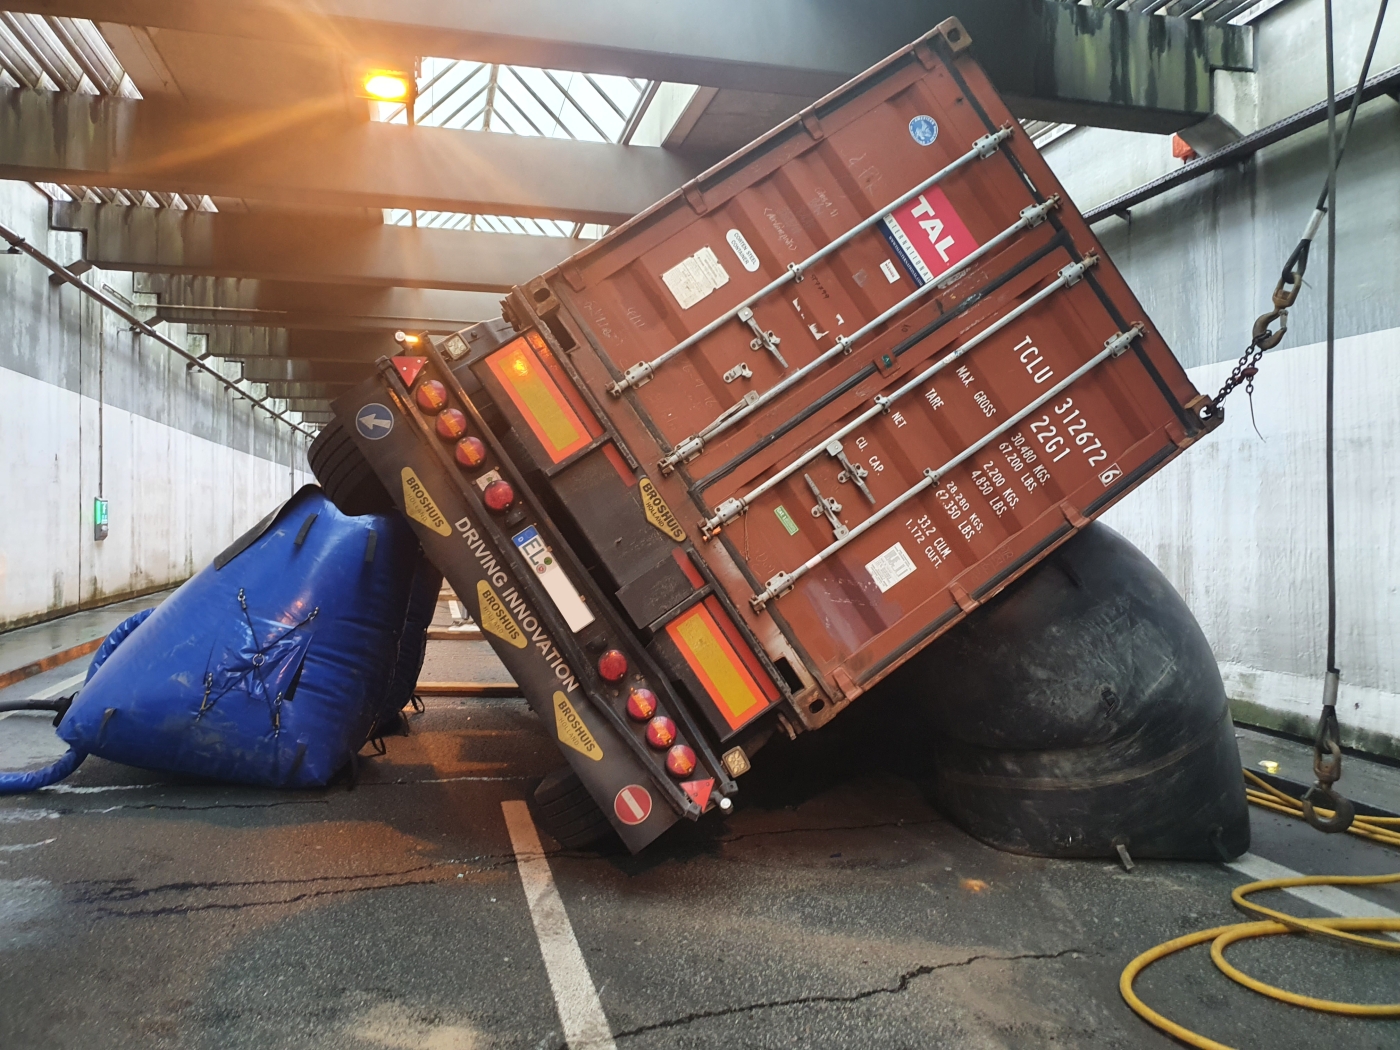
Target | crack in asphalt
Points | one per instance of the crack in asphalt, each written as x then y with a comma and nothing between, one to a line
120,891
901,985
187,909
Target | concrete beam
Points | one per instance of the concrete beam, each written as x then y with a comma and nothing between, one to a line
309,153
205,301
302,392
311,248
1059,61
289,370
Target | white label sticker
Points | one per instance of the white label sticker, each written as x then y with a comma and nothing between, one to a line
748,258
890,567
690,280
890,271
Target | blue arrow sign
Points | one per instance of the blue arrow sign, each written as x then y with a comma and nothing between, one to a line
374,421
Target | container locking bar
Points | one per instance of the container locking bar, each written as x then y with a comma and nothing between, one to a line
734,506
783,582
691,447
643,371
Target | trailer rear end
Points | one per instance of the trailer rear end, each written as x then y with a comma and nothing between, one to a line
771,437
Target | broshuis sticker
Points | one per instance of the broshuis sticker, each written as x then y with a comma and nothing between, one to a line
572,732
419,506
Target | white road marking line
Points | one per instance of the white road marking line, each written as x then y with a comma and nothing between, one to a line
1328,898
62,687
18,816
25,845
580,1012
455,609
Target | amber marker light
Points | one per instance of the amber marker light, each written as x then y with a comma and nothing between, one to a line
641,704
431,397
386,85
471,452
661,732
451,424
680,761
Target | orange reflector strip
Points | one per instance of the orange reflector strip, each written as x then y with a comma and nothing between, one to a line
539,400
717,665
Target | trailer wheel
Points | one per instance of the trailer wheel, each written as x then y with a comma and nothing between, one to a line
568,811
345,475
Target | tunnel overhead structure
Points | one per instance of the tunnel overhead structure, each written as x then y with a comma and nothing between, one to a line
768,439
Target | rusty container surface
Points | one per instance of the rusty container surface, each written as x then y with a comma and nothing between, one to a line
843,491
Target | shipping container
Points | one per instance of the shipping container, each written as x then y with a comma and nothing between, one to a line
772,436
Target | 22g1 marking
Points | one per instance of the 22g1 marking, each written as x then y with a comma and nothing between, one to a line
1076,429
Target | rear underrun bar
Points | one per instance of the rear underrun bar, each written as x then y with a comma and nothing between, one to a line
641,372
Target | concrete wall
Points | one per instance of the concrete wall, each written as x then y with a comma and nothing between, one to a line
1238,522
85,403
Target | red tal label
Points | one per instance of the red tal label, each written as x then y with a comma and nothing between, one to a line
633,804
929,235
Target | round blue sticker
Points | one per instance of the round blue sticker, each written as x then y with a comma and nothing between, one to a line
923,129
374,421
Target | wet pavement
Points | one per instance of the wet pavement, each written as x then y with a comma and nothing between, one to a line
833,908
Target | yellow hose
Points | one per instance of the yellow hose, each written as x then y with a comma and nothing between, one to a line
1376,829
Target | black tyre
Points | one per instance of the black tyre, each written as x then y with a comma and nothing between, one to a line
568,811
345,475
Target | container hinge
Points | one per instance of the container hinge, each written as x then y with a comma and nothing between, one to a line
1072,273
988,144
638,375
682,453
1072,514
1118,343
812,124
778,584
761,340
925,54
724,514
966,602
828,506
853,472
695,197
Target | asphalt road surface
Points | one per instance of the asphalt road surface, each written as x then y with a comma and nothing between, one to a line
833,908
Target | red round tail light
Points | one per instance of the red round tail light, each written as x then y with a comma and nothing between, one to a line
661,732
680,761
612,665
471,452
641,704
498,496
451,425
431,397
